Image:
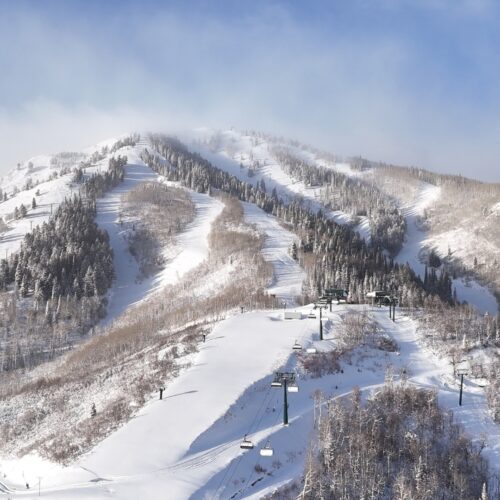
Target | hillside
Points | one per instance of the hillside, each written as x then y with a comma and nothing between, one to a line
215,236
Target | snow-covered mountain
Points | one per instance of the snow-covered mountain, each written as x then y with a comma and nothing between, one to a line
237,229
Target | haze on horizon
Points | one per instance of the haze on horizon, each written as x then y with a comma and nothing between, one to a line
412,82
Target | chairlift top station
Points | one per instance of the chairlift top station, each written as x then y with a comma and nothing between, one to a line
336,293
331,294
382,297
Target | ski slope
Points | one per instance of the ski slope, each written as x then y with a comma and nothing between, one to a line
153,444
288,275
237,154
188,443
416,241
191,246
415,236
231,150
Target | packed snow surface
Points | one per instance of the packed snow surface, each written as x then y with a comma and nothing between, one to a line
191,247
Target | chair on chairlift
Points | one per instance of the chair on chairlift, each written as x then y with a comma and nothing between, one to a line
267,451
246,444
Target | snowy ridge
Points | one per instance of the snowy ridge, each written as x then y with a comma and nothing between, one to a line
229,150
50,176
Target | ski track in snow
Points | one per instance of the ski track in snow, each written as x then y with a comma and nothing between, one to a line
414,235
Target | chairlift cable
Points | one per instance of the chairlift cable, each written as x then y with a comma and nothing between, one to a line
241,456
248,481
237,462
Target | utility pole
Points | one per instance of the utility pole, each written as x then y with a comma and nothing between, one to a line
287,381
320,324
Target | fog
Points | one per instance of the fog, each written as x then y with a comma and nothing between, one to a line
413,85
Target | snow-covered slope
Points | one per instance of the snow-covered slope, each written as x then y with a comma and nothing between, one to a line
288,275
47,179
417,241
191,249
250,159
241,154
187,444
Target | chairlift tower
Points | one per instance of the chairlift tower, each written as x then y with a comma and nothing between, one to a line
461,372
287,381
320,324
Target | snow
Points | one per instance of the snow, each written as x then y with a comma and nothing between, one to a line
187,445
415,236
52,191
234,148
417,240
191,247
288,275
192,244
125,289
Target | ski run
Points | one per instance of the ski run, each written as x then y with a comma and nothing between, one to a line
187,445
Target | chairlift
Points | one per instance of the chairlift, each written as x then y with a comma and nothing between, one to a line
246,444
293,387
276,383
312,315
311,350
267,451
296,346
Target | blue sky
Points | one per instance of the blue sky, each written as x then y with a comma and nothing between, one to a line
413,82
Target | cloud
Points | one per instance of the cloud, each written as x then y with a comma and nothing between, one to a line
355,81
48,127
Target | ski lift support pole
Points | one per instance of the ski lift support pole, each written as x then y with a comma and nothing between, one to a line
461,372
320,324
282,379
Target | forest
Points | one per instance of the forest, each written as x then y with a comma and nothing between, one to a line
54,287
398,444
